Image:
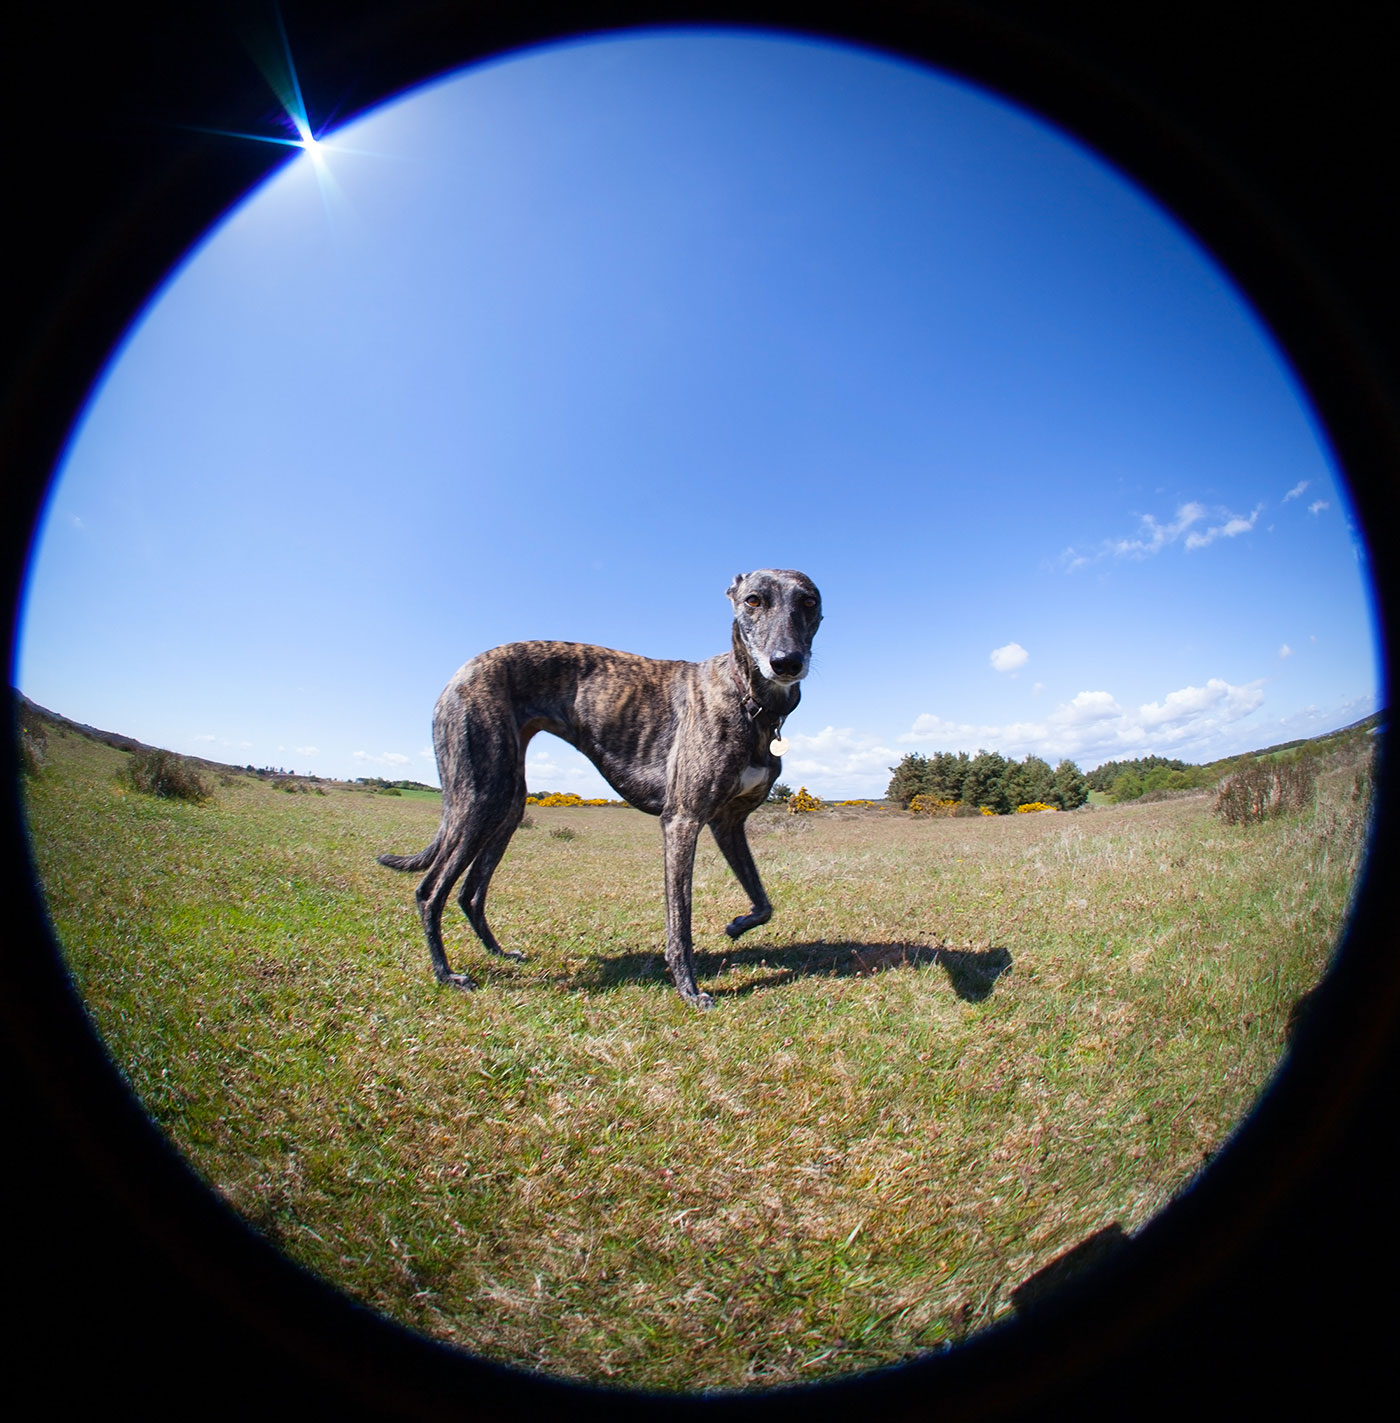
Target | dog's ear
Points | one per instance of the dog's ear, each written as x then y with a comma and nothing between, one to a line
732,592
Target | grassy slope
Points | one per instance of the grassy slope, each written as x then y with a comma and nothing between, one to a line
855,1157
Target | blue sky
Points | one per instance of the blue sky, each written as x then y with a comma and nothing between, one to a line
554,347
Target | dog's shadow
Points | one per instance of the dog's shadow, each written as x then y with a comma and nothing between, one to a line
971,972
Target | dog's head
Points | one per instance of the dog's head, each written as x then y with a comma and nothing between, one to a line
776,614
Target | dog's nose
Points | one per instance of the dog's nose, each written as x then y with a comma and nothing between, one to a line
787,664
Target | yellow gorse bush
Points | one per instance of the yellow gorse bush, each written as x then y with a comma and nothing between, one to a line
1033,806
931,805
568,798
803,800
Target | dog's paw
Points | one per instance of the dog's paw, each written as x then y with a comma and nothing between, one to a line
462,981
744,923
704,1001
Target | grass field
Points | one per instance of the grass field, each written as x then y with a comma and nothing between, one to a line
961,1047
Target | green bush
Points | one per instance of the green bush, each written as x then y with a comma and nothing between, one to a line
162,773
33,741
1126,786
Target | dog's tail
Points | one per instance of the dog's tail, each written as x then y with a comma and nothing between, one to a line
421,861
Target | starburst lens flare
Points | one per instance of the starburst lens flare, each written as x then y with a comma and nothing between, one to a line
310,143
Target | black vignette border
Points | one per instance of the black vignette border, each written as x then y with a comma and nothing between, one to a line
1268,135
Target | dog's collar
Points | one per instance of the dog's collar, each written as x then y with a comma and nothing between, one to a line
753,708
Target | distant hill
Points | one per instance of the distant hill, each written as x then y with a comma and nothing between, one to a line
1373,725
27,709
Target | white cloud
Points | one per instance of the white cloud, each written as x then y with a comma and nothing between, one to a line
207,738
1088,707
1152,535
1317,506
838,763
1010,657
1093,726
1235,525
553,765
1180,713
1297,490
1285,651
307,750
1037,689
385,758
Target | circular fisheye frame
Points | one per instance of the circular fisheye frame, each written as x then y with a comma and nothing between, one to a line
174,1289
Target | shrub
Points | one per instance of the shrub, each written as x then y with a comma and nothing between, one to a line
162,773
1127,786
564,832
802,801
1032,806
780,792
33,740
1266,788
932,805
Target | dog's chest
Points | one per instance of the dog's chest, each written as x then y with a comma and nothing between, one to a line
750,778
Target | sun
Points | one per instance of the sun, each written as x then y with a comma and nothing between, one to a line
273,57
308,141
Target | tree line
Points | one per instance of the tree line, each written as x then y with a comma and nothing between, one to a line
1127,780
988,779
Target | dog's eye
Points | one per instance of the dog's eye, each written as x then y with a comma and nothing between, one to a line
754,601
809,602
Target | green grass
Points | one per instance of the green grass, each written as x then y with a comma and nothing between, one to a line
872,1139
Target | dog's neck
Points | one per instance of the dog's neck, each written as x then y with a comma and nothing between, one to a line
763,702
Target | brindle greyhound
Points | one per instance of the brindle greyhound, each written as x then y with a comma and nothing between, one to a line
692,742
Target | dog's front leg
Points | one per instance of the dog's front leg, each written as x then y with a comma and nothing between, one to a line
734,846
678,836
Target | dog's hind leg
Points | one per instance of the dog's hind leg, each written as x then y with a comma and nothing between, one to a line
472,897
462,841
734,846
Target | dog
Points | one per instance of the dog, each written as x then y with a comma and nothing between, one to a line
696,743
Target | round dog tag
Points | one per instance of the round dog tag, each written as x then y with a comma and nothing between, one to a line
777,745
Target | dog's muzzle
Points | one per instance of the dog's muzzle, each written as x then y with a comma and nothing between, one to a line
788,665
